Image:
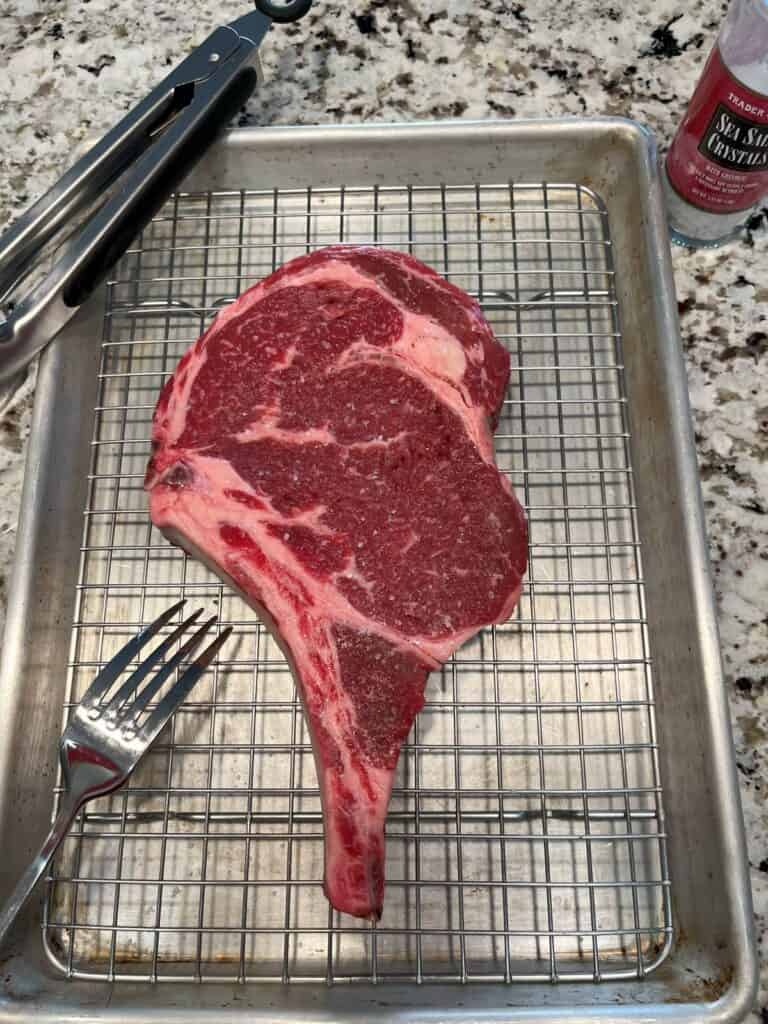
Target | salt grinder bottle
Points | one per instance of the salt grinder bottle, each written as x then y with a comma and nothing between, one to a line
716,169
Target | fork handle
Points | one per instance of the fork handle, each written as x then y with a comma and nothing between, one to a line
64,818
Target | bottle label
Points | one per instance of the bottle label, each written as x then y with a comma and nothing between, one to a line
718,160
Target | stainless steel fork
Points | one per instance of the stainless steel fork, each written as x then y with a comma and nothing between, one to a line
107,735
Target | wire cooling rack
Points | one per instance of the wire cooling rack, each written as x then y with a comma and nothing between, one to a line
526,836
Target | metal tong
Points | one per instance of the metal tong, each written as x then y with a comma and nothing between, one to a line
147,154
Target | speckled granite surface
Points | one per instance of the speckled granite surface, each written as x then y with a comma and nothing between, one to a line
71,67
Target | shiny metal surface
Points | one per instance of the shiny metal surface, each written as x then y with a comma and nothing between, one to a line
108,733
178,109
609,892
568,794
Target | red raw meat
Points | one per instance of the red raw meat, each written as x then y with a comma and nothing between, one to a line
325,447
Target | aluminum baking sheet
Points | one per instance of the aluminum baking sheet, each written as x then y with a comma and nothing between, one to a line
531,834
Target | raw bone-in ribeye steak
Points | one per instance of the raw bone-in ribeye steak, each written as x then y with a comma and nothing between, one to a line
325,447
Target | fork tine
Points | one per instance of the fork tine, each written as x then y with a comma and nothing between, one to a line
153,686
182,688
115,668
148,664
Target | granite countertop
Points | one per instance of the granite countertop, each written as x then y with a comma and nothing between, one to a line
73,67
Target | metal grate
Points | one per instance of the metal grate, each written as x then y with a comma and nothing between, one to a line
526,837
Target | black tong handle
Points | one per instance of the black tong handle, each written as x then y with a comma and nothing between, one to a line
147,154
143,203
